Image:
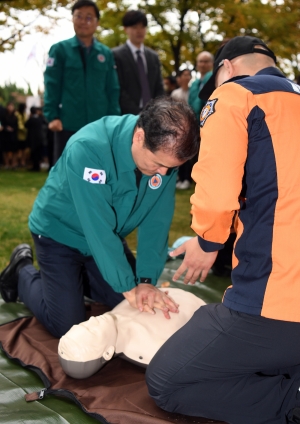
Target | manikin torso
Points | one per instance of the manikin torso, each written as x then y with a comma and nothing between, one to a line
125,331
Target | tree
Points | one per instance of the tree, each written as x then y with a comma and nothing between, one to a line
180,29
11,93
14,24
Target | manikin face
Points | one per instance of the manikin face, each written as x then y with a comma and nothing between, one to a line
85,22
151,163
136,34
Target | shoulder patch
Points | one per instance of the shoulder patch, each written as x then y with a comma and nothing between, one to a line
50,61
207,110
94,176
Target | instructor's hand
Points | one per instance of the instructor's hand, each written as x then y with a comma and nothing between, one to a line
146,297
196,262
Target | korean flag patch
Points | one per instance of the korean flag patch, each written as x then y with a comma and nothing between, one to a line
94,176
207,110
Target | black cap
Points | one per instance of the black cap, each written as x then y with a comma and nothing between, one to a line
237,46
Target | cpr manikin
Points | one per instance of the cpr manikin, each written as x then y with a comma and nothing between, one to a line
124,331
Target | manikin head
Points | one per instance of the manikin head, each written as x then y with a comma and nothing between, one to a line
88,346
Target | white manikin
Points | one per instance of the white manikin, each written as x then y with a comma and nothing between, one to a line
125,331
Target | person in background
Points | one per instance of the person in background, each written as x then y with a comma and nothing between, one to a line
9,137
138,67
34,127
22,135
181,94
44,164
204,65
2,113
170,84
81,83
183,80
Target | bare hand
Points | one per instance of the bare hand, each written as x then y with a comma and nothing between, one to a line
196,262
146,297
55,125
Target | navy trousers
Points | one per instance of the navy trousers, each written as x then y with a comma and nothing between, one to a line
55,293
229,366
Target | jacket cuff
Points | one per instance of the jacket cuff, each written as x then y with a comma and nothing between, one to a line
209,246
146,280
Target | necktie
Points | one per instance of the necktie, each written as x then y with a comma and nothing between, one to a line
146,96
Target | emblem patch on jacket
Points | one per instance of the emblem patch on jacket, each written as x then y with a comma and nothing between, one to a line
101,58
208,110
155,181
94,176
50,61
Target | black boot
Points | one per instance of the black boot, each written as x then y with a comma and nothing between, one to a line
20,257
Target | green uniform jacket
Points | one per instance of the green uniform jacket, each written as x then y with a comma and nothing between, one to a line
92,217
78,94
194,101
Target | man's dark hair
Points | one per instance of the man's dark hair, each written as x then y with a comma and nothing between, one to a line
133,17
179,73
33,110
21,108
84,3
171,126
171,79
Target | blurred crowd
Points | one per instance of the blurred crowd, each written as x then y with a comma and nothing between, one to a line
25,140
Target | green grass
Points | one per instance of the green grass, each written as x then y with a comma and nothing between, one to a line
18,190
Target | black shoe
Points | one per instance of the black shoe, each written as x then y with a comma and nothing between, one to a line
21,256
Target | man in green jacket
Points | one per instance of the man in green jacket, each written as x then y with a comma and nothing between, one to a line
81,82
115,175
204,65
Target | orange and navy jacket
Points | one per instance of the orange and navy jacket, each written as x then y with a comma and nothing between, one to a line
249,171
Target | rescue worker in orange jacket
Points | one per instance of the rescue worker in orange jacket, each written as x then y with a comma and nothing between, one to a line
239,361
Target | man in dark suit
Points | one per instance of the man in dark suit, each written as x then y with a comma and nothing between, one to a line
138,66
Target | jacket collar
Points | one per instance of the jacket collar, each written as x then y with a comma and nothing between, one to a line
75,42
271,70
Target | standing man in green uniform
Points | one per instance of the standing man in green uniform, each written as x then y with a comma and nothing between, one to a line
115,175
204,65
81,82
